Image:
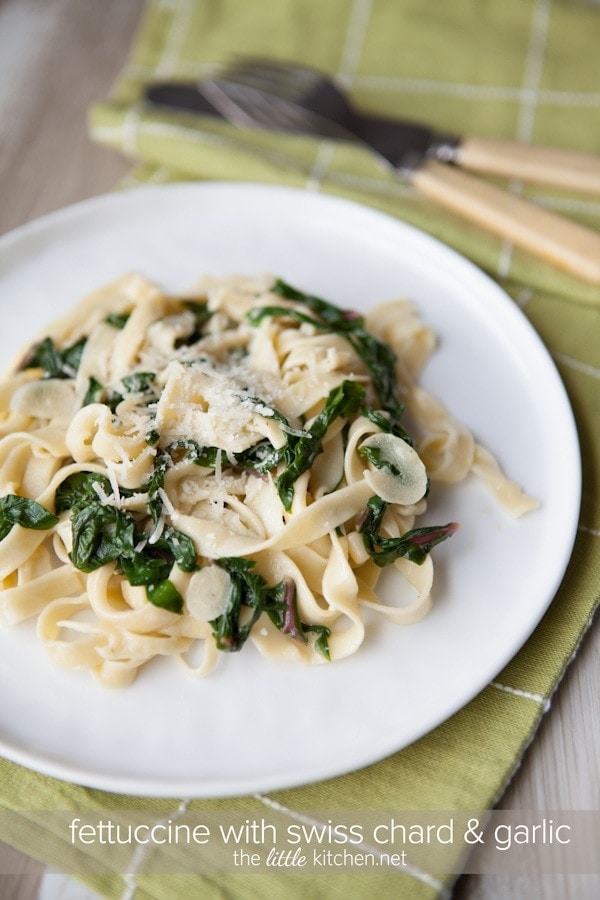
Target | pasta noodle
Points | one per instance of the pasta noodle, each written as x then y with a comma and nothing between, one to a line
184,473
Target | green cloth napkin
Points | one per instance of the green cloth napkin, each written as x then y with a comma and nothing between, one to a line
509,68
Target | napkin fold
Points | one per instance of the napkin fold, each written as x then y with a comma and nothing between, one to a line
511,68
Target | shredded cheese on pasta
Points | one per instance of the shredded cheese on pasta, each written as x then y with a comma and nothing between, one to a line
183,473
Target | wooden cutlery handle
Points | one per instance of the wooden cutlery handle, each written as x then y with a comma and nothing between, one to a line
559,241
568,169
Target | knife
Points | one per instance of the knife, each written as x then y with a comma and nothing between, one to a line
414,152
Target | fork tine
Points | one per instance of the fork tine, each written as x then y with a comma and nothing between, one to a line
246,106
280,79
224,99
270,112
283,86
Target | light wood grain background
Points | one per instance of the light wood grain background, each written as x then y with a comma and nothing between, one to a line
56,58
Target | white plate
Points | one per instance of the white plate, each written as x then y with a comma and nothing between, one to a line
256,725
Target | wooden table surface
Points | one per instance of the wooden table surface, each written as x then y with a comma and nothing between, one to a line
56,58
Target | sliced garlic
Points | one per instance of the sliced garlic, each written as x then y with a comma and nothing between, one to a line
208,593
410,482
50,398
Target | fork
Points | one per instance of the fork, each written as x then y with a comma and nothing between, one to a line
297,99
286,97
298,86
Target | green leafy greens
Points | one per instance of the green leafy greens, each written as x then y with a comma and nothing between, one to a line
55,363
117,320
141,383
202,315
250,590
413,545
16,510
299,453
104,533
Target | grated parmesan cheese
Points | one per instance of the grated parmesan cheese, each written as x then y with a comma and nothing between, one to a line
217,408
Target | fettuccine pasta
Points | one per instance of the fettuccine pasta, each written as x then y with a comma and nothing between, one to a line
179,475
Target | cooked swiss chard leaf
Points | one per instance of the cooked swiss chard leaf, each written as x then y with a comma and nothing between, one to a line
261,457
256,315
202,315
54,362
380,360
101,534
332,315
78,490
300,452
165,595
373,455
179,547
249,590
144,569
176,544
94,392
154,485
414,545
104,533
387,425
194,452
322,642
117,320
138,382
16,510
